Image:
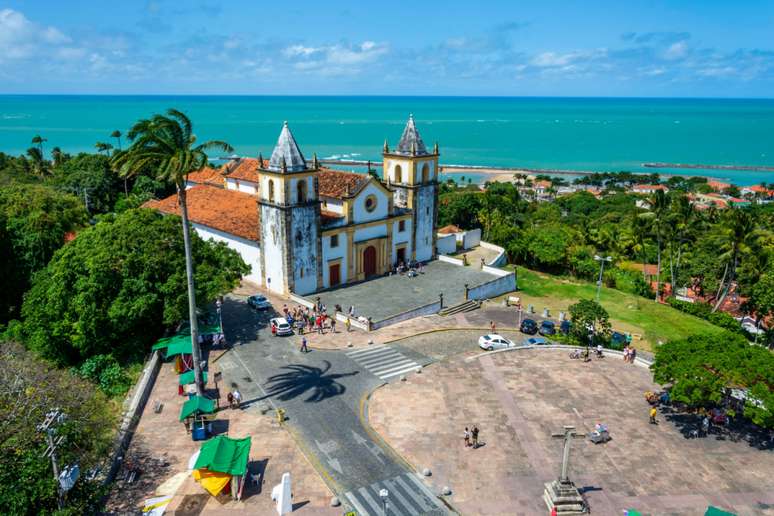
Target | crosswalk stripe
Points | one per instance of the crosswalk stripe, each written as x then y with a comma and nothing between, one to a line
407,497
384,360
356,503
365,351
364,492
412,368
419,500
393,367
371,359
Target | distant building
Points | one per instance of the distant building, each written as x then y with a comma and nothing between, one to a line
649,189
718,186
303,228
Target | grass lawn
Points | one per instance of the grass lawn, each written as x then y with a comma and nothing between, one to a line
628,313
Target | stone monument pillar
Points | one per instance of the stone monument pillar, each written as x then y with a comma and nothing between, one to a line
561,494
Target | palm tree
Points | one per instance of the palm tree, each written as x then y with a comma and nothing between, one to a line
167,146
39,164
38,140
659,208
57,156
736,233
117,135
103,147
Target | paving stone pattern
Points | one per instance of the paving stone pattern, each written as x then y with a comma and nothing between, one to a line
518,398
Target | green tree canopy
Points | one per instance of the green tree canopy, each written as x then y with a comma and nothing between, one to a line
114,288
90,177
589,318
35,220
701,368
29,389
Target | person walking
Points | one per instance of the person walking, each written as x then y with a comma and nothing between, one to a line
492,327
333,324
467,437
474,433
348,325
237,397
653,413
304,348
632,355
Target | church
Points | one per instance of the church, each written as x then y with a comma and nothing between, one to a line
304,228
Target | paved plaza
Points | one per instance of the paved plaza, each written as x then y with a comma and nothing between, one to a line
383,297
518,398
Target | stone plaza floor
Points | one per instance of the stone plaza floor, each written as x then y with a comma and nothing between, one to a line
383,297
518,398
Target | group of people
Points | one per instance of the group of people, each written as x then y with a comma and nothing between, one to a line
411,270
311,320
629,354
471,437
234,398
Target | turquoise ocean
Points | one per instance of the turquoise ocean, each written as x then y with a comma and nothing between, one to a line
601,134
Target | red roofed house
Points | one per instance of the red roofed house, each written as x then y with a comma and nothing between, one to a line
303,228
718,186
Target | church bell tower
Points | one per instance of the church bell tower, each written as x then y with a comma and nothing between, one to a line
411,172
289,213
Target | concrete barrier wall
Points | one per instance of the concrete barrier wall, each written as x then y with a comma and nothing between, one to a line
446,244
454,261
496,271
499,260
432,308
470,238
639,361
352,320
494,288
133,412
301,301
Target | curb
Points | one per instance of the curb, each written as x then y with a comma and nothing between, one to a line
609,352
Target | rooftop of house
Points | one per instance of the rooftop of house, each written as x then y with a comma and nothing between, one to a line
649,187
449,230
207,175
339,184
244,169
229,211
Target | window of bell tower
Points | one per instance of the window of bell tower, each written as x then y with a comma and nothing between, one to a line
301,187
398,174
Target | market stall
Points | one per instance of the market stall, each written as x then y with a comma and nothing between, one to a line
197,416
222,465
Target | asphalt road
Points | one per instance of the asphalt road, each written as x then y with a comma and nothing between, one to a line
322,394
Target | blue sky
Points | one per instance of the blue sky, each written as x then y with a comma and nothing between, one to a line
545,48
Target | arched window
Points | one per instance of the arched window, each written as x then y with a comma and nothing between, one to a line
301,186
271,190
425,173
398,174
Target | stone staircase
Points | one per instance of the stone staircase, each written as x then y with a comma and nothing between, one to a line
465,306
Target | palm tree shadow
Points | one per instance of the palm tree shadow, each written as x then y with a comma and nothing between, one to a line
302,379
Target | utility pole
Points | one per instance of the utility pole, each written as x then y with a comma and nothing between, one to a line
601,271
53,416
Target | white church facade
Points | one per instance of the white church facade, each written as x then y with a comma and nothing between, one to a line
303,228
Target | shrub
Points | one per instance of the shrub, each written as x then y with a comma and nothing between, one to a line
105,371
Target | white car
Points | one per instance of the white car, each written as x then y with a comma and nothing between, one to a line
279,326
493,341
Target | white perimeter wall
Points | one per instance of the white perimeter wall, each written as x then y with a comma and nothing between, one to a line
249,251
446,244
242,186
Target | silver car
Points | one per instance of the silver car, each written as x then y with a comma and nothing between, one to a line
494,341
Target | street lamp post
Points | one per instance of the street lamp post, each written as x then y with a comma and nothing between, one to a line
384,494
601,270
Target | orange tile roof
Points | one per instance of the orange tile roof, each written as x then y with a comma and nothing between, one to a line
326,217
245,169
232,212
717,185
339,184
449,230
649,187
207,175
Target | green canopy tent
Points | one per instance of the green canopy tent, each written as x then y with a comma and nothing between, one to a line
223,459
188,377
176,345
714,511
196,406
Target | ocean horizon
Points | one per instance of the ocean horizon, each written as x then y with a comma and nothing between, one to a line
567,133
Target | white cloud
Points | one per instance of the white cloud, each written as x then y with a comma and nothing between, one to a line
21,39
676,50
333,59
